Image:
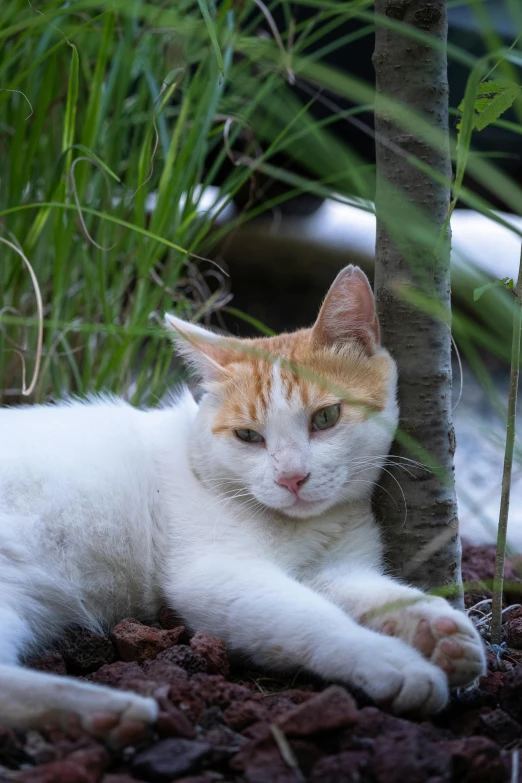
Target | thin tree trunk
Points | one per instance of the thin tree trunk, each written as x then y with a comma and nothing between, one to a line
424,545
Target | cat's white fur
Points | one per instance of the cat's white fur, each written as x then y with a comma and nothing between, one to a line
107,511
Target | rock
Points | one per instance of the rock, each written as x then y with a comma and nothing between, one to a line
50,661
164,671
170,619
85,651
510,697
63,771
476,760
93,759
478,566
513,630
169,759
406,755
12,751
210,718
261,761
334,708
213,650
185,658
492,683
118,673
174,723
118,779
211,777
240,715
500,727
137,642
346,766
224,742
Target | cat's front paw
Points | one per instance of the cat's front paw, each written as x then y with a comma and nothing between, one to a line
443,635
397,677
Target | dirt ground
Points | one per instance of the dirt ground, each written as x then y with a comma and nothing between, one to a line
230,724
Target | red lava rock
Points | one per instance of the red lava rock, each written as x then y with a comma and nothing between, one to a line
213,650
210,778
94,759
217,691
278,704
468,723
12,752
85,651
51,661
137,642
407,756
500,727
240,715
169,759
170,619
347,766
187,696
478,564
118,673
261,761
164,671
224,742
334,708
185,658
64,771
174,723
492,682
513,630
476,760
511,694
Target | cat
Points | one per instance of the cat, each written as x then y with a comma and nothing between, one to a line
249,513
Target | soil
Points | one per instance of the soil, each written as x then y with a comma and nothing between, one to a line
225,723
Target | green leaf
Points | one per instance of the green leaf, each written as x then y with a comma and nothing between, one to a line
211,27
497,106
70,106
492,99
506,282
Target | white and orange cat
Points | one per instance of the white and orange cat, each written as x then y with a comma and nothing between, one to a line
249,513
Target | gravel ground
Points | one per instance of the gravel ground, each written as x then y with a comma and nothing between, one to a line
223,723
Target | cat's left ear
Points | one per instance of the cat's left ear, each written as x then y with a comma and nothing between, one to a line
348,312
206,352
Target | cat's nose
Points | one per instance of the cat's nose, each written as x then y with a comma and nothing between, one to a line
293,483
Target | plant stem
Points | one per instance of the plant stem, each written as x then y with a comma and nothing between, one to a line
498,581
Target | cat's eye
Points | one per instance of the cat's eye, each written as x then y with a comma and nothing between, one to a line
249,436
326,417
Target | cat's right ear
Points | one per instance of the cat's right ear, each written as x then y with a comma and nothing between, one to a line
348,312
206,352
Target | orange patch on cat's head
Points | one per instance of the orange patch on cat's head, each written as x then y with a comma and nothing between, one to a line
337,360
310,377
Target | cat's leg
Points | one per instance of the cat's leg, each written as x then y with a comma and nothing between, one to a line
30,699
442,634
280,623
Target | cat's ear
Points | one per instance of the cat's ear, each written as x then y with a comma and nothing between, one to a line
348,312
206,352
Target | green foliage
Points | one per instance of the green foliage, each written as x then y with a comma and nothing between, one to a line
492,100
506,282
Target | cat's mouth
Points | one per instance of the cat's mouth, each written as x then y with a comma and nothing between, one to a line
304,508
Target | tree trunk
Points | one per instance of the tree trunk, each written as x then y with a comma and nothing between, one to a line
423,545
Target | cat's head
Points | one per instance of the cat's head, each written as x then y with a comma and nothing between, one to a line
302,421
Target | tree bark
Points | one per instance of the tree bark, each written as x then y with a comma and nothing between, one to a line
423,544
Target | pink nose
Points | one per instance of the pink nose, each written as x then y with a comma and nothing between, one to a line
292,483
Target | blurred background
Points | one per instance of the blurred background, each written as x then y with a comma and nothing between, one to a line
216,159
